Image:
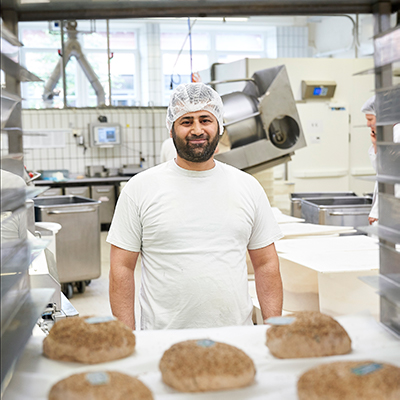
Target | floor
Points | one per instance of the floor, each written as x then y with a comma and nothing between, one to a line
95,301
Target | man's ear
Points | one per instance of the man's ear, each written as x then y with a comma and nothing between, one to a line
170,134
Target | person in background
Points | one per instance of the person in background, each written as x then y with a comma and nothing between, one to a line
192,219
168,151
369,110
370,114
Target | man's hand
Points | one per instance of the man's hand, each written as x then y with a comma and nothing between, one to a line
372,220
122,285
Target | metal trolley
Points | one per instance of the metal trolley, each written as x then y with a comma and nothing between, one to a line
78,242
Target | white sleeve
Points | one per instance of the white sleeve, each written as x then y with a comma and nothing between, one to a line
265,228
372,156
126,230
374,213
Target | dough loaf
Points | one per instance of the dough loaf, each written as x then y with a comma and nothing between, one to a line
204,365
100,386
74,339
312,334
350,380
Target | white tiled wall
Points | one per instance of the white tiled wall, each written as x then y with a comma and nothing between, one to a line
143,131
292,41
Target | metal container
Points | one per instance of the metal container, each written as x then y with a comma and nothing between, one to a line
105,194
295,199
78,242
95,171
52,192
83,191
339,211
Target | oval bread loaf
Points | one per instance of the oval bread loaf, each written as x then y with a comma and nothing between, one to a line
100,386
204,365
89,340
310,334
350,380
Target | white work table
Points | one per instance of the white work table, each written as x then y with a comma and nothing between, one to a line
322,273
292,230
275,378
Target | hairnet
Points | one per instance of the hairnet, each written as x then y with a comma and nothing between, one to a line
191,97
369,106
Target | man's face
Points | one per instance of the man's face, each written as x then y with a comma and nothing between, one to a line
195,136
371,122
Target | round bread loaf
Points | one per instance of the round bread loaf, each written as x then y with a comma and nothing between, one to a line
310,334
100,386
89,340
350,380
204,365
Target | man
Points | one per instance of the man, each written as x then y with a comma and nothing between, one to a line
369,110
192,220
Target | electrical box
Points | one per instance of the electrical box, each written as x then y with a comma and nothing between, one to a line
317,89
104,134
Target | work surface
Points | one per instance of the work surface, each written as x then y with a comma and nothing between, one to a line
275,380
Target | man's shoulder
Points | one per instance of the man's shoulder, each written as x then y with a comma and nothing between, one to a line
237,173
149,175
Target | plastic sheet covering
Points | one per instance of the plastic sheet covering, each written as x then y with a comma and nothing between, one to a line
387,105
388,161
275,378
387,47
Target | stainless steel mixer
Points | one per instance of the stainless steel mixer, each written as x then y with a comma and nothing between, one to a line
262,125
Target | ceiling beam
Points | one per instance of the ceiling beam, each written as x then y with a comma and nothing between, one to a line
57,10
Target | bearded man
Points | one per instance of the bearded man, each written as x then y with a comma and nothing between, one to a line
192,219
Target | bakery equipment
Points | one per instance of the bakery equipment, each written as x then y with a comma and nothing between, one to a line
343,211
72,48
262,125
93,171
78,250
130,169
296,199
106,195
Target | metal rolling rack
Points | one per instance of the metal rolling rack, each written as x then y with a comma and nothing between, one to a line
387,51
21,306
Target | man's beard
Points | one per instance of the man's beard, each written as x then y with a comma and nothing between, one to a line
192,152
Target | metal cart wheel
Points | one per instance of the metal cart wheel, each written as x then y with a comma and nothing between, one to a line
81,286
68,290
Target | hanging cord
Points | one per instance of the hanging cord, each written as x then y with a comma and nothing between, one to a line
179,54
190,50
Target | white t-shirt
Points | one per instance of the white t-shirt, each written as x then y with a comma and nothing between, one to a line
192,229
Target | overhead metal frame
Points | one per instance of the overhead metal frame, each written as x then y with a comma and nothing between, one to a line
113,9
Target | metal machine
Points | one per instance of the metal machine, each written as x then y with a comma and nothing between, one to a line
262,125
73,48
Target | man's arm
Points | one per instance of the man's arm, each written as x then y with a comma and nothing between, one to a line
268,280
122,285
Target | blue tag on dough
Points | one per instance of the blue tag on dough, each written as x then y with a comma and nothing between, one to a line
98,320
280,320
205,343
366,369
97,378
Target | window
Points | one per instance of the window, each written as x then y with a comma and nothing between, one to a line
211,43
40,55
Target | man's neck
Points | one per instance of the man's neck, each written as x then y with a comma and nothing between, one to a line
193,166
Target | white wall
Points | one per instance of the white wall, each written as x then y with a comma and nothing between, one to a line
143,130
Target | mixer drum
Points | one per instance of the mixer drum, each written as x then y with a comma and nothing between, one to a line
284,132
239,107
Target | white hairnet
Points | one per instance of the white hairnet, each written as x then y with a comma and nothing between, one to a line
369,106
191,97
